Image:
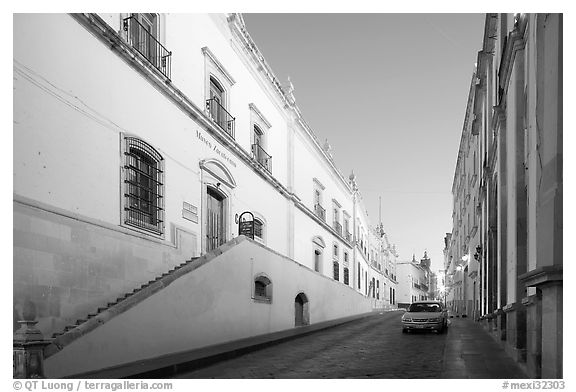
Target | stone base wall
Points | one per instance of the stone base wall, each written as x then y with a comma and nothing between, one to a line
67,266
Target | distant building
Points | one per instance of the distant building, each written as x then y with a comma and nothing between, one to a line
413,281
504,262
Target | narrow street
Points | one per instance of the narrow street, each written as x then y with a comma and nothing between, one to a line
374,347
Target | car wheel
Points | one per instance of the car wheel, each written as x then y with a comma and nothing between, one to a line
404,330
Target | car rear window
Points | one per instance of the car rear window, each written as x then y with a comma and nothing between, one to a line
425,308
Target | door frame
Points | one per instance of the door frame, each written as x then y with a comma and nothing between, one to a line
214,174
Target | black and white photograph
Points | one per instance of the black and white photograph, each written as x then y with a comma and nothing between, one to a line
312,194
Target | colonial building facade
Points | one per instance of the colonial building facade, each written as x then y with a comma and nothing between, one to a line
149,144
504,259
414,281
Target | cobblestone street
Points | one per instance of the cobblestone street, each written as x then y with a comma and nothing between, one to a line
374,347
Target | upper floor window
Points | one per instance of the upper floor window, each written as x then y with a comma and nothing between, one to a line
318,209
336,271
335,252
337,226
217,88
259,138
259,148
142,33
346,275
143,186
347,234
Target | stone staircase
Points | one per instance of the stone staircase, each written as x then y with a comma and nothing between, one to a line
119,301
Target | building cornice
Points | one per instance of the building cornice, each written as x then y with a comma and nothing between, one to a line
464,134
240,33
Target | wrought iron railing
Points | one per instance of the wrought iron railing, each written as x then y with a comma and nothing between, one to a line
221,116
320,212
148,46
338,227
262,157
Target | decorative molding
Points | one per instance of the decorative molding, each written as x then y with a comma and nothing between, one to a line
317,182
336,203
212,165
208,53
551,274
253,107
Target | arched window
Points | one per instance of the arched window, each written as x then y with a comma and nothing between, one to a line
336,267
143,186
262,289
346,275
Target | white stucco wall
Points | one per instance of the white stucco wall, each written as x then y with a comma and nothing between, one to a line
209,305
71,112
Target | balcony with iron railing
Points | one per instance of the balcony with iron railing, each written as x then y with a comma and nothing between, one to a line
221,116
262,157
320,212
148,46
348,237
338,227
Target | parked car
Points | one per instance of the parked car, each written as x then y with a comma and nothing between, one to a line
426,315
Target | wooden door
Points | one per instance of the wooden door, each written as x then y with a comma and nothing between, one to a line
215,220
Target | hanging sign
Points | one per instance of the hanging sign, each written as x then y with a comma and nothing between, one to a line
245,226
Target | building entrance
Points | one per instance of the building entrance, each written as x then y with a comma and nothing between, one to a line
301,315
215,223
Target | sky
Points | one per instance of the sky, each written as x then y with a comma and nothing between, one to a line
389,93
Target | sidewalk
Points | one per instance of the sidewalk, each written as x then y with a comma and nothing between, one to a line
471,353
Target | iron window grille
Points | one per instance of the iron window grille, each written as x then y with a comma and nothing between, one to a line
143,186
259,289
336,271
221,116
143,40
262,157
346,276
263,289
